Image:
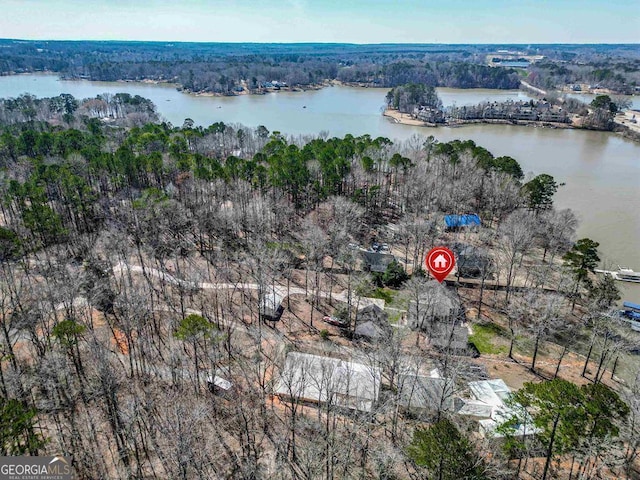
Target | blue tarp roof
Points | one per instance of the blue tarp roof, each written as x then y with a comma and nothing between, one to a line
635,306
453,221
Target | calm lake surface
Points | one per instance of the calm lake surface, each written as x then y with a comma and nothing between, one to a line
601,170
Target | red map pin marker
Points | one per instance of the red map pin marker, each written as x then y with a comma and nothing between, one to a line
440,261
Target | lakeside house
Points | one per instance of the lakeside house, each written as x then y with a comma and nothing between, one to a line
470,260
438,312
436,303
317,379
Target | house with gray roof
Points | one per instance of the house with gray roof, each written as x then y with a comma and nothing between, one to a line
437,303
377,261
372,323
425,393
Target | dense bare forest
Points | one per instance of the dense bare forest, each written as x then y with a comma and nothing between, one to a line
226,302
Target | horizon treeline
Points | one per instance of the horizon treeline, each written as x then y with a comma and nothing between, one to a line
227,68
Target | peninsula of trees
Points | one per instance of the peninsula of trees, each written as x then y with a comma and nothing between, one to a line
419,104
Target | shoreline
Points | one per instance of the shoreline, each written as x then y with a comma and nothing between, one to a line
263,91
407,119
524,86
624,130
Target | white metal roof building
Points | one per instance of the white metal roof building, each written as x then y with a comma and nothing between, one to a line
487,403
219,382
491,392
313,378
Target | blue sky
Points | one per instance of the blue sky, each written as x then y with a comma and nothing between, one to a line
357,21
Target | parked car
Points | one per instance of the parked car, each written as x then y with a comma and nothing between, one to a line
334,321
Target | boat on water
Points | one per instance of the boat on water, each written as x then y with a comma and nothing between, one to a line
624,274
627,275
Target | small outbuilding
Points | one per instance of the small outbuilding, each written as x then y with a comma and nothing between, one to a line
271,308
219,385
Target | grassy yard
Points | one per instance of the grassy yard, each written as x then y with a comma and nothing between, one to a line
489,338
385,294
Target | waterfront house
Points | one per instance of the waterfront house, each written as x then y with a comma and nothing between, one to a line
435,304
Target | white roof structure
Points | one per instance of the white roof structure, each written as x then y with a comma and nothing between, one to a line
271,299
502,415
220,382
271,304
323,379
488,403
474,408
491,392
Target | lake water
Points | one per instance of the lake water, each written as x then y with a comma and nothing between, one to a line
601,170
